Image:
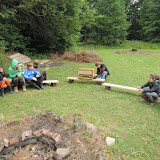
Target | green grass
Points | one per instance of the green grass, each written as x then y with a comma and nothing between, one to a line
127,45
116,113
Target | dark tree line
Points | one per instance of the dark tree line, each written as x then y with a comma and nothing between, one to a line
55,25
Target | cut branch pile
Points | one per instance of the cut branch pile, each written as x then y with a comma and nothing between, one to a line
83,56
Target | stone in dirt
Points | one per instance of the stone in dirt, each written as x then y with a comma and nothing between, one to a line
37,133
63,152
13,141
6,142
91,128
110,141
27,134
1,146
57,138
46,131
59,118
78,124
99,157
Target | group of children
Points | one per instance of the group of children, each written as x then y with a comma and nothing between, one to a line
33,77
150,94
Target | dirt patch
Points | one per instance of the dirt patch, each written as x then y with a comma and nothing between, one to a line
82,145
51,64
133,52
80,57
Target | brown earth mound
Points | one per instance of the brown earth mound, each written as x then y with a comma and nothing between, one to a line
84,56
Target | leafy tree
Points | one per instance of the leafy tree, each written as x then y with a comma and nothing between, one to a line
133,16
43,25
9,27
88,17
111,24
150,20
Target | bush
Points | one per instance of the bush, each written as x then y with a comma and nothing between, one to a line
4,60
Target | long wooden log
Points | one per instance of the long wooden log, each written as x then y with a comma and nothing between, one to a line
119,86
50,81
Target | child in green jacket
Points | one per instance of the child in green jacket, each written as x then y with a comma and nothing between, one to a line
15,72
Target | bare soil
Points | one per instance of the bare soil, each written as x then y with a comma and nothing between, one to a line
134,52
83,147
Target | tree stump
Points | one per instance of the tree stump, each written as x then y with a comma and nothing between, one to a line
107,88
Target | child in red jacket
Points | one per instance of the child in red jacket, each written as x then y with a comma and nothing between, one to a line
4,81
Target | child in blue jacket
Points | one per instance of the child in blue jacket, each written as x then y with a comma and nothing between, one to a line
33,77
152,93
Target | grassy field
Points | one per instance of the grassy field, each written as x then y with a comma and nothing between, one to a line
116,113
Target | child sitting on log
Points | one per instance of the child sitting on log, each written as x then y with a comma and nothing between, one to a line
4,81
15,72
33,77
152,93
43,73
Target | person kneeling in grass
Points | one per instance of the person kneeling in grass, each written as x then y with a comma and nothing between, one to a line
102,71
152,93
33,77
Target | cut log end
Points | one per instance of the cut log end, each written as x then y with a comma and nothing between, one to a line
53,84
71,81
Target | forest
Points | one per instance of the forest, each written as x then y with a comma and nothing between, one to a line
53,26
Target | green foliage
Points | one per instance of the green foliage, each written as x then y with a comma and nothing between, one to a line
4,60
40,26
150,21
88,18
10,27
139,45
51,26
111,24
54,26
133,16
88,134
2,45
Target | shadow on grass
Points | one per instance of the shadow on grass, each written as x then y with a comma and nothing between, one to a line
85,82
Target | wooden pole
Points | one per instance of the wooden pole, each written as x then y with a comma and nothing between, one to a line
119,86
